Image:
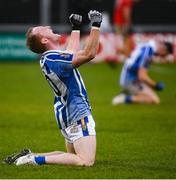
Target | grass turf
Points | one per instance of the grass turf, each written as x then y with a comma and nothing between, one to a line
133,141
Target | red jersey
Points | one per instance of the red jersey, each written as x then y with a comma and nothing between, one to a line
118,12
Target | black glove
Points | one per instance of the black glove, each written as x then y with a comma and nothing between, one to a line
75,21
95,18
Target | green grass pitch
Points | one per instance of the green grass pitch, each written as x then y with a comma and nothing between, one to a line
133,141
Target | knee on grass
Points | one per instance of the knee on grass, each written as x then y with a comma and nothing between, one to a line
148,99
87,162
155,100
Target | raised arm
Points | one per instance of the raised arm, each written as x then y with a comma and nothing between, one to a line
74,40
91,46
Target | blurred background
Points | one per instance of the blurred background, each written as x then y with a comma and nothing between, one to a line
148,17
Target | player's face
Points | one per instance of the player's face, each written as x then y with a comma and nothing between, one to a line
162,51
46,32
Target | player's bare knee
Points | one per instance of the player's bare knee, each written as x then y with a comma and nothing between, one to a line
81,163
86,163
155,100
89,162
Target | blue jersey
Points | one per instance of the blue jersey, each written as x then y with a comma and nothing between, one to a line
71,102
140,57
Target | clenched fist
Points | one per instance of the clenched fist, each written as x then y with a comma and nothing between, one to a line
95,18
75,21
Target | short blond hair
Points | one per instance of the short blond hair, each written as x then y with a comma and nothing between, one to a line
33,42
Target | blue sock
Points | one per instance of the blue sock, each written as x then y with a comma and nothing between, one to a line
128,99
40,160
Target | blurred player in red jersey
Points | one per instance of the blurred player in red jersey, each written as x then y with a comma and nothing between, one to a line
122,22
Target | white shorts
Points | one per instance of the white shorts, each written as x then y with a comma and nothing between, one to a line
81,128
134,89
